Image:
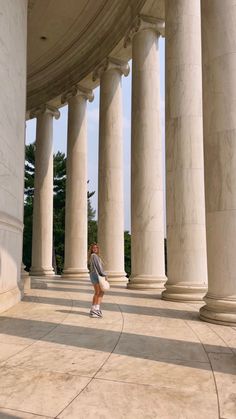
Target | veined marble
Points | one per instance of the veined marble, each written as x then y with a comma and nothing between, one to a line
42,238
219,110
110,188
186,236
75,263
147,218
13,36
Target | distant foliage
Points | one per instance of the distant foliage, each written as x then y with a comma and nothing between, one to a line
59,161
127,243
28,203
59,189
92,232
165,249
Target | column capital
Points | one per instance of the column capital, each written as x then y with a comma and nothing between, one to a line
143,22
45,109
77,90
111,63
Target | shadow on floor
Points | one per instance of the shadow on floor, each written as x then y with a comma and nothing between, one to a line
171,351
77,282
4,415
125,294
133,309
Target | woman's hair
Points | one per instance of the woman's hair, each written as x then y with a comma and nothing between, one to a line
91,250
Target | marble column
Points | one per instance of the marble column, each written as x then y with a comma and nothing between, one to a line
219,126
42,239
76,225
186,230
147,218
13,52
110,188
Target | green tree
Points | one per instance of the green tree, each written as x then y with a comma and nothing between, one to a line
92,232
165,249
59,208
29,170
28,203
127,243
91,211
59,185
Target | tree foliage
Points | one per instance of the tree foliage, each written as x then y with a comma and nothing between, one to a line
28,203
127,243
59,189
59,160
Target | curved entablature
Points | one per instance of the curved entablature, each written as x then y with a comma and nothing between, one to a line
67,40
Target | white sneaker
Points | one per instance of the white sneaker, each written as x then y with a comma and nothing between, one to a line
95,313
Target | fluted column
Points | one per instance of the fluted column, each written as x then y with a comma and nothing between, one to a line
76,225
147,218
110,188
42,240
219,123
186,234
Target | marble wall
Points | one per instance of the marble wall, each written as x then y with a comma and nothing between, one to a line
13,36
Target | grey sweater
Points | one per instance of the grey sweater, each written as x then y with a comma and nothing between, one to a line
95,265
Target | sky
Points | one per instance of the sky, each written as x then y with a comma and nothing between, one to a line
60,135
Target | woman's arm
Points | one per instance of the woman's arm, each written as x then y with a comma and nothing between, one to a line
97,264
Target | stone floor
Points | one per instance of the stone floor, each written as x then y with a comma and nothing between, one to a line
146,358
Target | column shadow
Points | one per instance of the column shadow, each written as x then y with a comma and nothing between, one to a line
160,349
110,292
4,415
126,308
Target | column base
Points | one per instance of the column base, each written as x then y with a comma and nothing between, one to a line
9,298
25,279
219,310
117,278
184,293
73,273
24,274
27,282
42,272
146,282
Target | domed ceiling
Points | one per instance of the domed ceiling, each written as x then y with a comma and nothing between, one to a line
68,38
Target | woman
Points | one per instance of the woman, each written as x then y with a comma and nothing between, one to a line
95,269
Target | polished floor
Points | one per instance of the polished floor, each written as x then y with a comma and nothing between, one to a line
146,358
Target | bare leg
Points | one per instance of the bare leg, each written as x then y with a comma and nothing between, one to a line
98,294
